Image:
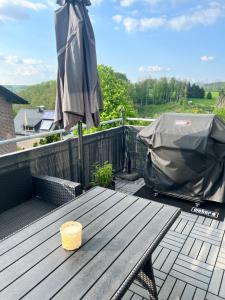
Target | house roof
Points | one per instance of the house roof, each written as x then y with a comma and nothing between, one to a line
49,115
11,97
32,118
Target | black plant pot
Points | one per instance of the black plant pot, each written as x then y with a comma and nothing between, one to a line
113,186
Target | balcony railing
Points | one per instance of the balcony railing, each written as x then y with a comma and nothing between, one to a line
61,159
62,131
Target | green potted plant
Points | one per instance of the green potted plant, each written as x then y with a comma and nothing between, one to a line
103,176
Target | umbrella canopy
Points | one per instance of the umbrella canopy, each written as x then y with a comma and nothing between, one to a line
78,96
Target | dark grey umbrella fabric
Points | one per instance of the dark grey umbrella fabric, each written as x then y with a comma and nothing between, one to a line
186,156
78,96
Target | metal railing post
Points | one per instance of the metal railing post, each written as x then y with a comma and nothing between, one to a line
122,116
81,154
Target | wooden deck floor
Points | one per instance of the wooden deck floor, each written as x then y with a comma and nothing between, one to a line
189,263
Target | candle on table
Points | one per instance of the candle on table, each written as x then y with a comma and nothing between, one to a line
71,235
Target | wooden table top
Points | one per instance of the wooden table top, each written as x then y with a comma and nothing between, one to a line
119,233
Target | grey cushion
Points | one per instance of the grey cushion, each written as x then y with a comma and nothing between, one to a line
16,218
15,188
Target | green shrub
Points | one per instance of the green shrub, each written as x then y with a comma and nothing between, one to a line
220,112
35,144
209,96
103,175
50,139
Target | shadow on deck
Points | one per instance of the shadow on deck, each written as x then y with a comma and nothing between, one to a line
189,263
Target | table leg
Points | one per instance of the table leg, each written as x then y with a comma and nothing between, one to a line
147,279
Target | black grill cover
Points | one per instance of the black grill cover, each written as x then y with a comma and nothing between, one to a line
186,156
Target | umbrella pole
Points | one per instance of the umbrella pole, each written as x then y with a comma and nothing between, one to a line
81,154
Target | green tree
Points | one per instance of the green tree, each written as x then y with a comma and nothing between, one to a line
194,91
209,95
220,112
158,91
202,93
115,92
121,76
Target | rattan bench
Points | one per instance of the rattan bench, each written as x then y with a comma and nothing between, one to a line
25,198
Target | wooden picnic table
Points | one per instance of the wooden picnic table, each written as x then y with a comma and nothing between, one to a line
120,232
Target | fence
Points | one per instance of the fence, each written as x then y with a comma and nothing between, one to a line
62,131
60,159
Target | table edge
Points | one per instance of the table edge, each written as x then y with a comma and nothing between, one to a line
130,278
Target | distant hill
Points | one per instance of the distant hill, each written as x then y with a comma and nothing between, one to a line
214,87
45,94
16,88
38,94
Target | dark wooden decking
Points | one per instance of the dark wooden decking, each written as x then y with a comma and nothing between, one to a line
189,263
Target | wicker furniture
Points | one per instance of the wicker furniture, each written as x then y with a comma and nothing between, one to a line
25,198
120,233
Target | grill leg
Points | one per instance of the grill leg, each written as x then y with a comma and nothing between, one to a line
147,279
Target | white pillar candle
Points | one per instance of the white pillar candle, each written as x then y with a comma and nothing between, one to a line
71,235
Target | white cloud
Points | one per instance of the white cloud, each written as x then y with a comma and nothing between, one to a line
127,3
24,70
131,24
51,3
96,2
207,58
30,5
151,23
153,69
22,3
16,60
34,69
134,24
31,61
18,9
201,16
117,18
11,59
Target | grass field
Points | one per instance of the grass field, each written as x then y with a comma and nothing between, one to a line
197,106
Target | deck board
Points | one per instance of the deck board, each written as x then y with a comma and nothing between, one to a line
190,260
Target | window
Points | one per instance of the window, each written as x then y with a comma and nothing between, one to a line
28,128
46,125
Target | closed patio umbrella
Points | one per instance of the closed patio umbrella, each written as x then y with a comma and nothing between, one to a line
78,95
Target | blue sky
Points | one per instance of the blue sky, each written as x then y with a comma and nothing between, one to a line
142,38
